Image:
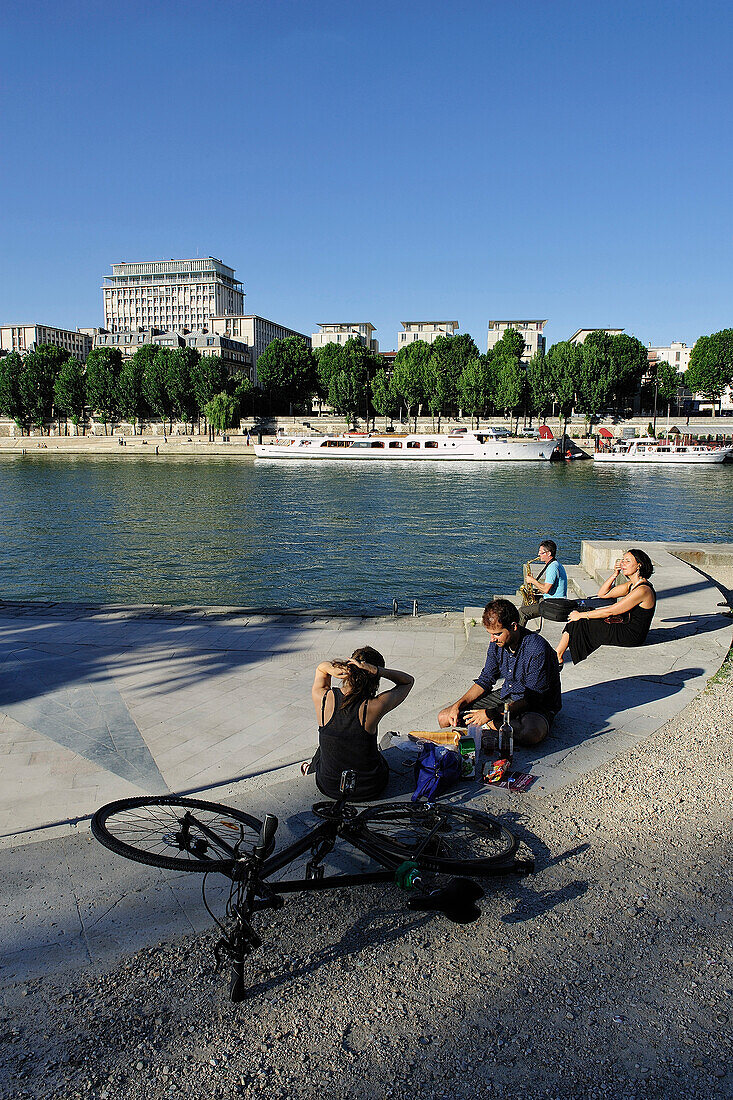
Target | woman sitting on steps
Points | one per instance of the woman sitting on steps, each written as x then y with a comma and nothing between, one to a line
587,631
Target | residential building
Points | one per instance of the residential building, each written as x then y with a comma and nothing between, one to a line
169,294
580,336
676,354
428,331
235,354
25,338
257,332
338,332
530,330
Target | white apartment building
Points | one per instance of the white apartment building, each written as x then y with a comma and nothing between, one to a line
429,331
255,331
169,294
25,338
530,330
677,355
235,355
582,334
338,332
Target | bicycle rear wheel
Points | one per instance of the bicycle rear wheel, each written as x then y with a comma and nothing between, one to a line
181,834
439,837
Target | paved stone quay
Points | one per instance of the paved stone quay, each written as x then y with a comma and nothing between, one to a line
98,703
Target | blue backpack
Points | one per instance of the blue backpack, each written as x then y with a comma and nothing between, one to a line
436,768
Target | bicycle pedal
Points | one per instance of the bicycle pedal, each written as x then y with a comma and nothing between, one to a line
314,872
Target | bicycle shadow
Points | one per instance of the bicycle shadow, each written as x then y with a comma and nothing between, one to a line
374,929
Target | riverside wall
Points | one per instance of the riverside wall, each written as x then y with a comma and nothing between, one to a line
182,440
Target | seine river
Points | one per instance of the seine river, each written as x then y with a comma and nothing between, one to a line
333,536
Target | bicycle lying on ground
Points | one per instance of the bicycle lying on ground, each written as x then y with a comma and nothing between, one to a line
413,843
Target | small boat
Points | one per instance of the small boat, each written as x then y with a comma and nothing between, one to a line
487,445
656,452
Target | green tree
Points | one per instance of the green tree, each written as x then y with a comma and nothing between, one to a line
362,365
596,375
540,389
329,361
448,357
155,385
669,382
103,371
410,376
133,406
630,364
344,394
711,365
70,392
563,364
180,369
37,377
385,402
475,386
11,404
209,376
508,371
245,394
287,370
220,412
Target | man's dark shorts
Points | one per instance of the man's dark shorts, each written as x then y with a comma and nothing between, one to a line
491,700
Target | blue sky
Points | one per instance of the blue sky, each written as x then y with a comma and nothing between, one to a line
376,161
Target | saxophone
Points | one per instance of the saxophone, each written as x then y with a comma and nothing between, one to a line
526,591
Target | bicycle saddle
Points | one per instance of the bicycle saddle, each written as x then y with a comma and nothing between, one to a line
456,901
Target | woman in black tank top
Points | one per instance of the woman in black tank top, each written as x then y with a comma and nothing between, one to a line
625,623
348,718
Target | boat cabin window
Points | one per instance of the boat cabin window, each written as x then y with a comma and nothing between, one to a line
377,444
337,443
431,443
413,443
395,444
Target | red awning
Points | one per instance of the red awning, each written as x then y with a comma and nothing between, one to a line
545,432
605,433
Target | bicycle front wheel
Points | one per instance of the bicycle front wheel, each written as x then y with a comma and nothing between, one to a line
180,834
439,837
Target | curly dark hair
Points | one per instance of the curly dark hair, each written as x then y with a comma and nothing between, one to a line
503,611
644,562
362,685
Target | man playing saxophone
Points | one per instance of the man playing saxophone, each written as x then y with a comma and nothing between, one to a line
553,582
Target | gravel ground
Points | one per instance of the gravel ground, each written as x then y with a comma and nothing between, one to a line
604,975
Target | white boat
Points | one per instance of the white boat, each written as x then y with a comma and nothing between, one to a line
489,445
657,452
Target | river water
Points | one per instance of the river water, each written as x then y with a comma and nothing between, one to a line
329,536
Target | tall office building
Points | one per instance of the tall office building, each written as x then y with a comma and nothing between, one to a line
169,294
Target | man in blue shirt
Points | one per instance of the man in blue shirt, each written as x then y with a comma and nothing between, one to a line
531,680
551,583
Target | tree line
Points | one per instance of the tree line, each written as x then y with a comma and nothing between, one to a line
451,375
168,383
443,378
